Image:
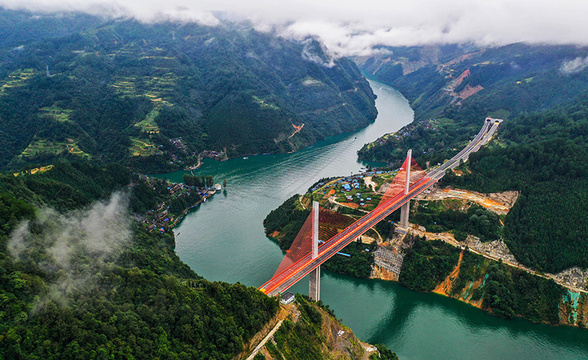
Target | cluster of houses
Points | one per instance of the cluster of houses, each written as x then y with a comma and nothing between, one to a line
348,184
160,217
178,144
353,184
362,201
212,154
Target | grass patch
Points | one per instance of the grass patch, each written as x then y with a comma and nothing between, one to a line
143,147
309,81
264,104
57,113
41,147
148,125
39,170
16,79
126,85
160,87
155,88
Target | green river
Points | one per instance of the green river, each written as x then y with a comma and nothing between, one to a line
223,240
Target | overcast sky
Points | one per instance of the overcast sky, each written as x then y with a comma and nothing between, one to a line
354,27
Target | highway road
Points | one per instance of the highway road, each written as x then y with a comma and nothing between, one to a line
302,267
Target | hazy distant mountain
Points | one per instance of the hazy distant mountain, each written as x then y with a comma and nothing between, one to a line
465,84
155,95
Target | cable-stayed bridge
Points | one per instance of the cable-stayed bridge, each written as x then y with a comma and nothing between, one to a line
306,254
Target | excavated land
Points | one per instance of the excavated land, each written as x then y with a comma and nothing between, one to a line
574,279
575,276
387,264
283,313
499,203
444,288
496,249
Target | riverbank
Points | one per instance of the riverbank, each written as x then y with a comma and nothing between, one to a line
215,155
170,201
570,307
556,299
354,196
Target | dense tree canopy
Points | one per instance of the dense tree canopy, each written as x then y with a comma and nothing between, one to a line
427,263
545,159
153,96
84,302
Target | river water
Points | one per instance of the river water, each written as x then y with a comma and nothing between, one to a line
223,240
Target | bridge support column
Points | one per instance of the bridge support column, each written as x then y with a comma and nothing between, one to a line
314,288
405,209
314,277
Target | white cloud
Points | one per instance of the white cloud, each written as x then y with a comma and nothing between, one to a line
75,247
574,66
351,27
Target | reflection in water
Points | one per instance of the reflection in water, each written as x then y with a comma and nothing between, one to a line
224,240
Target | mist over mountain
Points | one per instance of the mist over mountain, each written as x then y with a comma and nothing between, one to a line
352,28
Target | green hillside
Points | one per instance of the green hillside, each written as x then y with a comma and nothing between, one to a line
154,96
543,156
540,151
453,88
87,282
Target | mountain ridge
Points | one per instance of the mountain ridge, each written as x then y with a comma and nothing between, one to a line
154,96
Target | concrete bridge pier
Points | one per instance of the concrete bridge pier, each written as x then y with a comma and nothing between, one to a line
314,288
404,212
314,277
405,209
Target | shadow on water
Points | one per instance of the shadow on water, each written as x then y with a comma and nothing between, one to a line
475,320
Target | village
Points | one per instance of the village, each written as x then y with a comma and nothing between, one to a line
178,199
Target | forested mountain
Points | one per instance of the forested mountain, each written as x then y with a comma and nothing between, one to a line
454,87
541,150
79,279
155,95
542,155
88,283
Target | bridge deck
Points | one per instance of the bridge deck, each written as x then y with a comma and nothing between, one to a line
302,267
